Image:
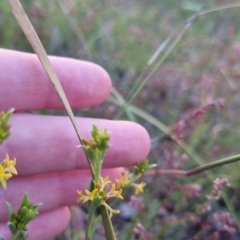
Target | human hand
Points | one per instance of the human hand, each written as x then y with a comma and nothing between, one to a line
50,167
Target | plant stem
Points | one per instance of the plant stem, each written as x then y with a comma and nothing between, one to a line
14,237
98,168
221,7
164,172
213,164
107,223
196,170
90,221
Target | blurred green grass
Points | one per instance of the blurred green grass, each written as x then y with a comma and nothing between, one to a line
203,68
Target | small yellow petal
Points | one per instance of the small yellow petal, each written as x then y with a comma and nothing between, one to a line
9,165
139,187
13,170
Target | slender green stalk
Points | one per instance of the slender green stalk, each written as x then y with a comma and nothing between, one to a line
223,7
98,169
196,170
213,165
164,172
90,221
107,223
98,172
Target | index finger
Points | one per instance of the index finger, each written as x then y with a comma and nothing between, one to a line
24,85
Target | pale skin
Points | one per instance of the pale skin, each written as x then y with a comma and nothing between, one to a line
50,167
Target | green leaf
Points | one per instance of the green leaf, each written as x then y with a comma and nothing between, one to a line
25,201
8,115
36,206
10,211
12,228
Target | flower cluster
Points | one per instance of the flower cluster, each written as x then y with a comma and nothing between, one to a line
127,180
7,169
18,221
97,145
218,185
7,166
101,193
101,189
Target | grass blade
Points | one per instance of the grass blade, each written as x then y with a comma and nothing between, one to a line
36,44
141,81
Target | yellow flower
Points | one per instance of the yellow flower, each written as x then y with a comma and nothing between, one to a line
7,169
125,180
139,187
102,187
9,165
101,193
115,193
89,195
103,184
4,176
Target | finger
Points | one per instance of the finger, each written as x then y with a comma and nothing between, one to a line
49,144
45,226
26,86
53,190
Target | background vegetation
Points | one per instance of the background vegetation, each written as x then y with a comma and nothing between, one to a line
191,90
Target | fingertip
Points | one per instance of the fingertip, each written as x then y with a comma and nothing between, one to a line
130,142
103,86
145,138
85,84
50,224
